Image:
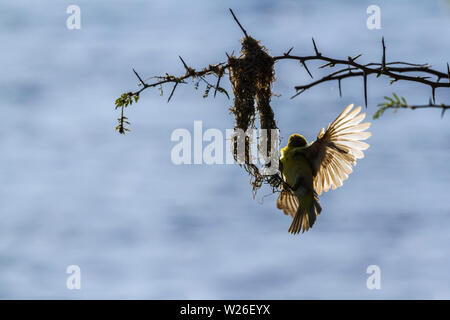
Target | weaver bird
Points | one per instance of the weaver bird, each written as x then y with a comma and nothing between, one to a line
309,169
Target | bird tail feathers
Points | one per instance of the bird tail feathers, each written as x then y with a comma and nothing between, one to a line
307,212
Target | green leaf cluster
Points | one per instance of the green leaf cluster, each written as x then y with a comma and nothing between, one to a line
394,103
126,99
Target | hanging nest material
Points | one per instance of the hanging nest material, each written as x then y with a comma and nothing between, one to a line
251,76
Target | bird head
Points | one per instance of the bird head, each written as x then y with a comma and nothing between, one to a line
297,140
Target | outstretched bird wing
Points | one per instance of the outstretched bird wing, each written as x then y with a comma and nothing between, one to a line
337,148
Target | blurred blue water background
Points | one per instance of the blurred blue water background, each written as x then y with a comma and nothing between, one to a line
75,192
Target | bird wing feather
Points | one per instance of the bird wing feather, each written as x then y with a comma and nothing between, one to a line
336,149
288,202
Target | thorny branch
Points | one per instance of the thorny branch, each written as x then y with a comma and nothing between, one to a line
128,98
394,70
250,93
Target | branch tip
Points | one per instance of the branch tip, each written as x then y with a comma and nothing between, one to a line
315,48
239,24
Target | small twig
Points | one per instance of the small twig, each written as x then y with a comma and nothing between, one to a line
173,90
424,106
237,21
431,105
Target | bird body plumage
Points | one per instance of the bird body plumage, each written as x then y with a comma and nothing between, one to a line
310,169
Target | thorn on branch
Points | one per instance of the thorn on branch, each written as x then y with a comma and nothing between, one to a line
354,58
306,68
331,64
340,89
315,48
350,59
448,72
298,93
383,59
173,90
140,79
288,52
433,91
189,71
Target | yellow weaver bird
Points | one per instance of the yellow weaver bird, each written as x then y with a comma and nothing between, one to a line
310,169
